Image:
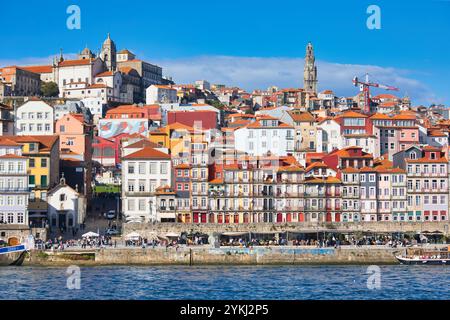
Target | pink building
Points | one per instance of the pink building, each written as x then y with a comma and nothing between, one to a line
75,145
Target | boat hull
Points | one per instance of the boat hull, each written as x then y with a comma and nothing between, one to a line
12,258
423,261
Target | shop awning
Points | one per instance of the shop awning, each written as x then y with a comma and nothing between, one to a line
172,234
234,234
90,234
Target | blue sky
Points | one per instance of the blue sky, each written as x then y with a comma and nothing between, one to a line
250,43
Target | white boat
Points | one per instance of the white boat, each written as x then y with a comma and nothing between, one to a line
421,256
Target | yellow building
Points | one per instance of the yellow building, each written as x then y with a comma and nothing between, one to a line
43,170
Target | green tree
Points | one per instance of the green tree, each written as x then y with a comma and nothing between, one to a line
49,89
216,103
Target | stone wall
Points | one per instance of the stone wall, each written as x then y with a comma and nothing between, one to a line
215,256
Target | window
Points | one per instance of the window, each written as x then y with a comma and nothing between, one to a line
131,204
44,163
31,163
62,128
141,185
47,127
141,204
153,168
62,197
131,167
130,185
141,167
163,168
44,181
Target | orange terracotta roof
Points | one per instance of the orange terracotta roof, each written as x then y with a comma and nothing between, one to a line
12,156
78,62
7,142
326,180
105,74
142,143
380,116
47,141
351,114
350,170
426,160
385,96
183,166
302,117
39,69
148,153
290,168
316,164
126,70
216,181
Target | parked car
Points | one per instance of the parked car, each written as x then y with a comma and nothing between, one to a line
111,214
112,232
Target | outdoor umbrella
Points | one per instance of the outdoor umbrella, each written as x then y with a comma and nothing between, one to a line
90,234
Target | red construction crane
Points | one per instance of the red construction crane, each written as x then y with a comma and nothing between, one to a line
364,87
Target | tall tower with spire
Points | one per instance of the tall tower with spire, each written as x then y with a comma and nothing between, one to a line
108,54
310,70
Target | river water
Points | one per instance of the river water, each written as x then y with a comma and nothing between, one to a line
225,282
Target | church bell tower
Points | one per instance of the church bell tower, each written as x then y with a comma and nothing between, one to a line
310,71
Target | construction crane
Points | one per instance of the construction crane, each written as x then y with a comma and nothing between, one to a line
364,87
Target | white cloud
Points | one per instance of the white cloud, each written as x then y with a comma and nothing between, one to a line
259,73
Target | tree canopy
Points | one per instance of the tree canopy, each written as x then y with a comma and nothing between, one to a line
49,89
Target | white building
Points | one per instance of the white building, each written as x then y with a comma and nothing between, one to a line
266,134
202,85
13,184
97,106
66,207
328,136
35,117
142,173
160,94
77,71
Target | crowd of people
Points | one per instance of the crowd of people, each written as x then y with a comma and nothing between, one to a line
83,243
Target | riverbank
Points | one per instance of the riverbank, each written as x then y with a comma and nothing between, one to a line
206,255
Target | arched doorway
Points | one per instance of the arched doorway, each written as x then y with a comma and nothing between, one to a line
13,241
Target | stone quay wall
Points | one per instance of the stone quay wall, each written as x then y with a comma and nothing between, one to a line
191,256
145,229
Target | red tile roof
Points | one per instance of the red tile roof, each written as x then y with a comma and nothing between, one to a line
148,153
78,62
39,69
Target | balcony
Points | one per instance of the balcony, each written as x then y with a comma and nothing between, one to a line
14,190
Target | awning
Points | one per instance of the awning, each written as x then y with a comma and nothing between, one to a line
172,234
90,234
234,234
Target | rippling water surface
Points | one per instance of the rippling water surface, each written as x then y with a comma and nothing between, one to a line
225,282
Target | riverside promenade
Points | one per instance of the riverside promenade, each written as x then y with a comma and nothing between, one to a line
207,255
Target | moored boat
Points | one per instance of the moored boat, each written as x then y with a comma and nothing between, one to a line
12,255
422,256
